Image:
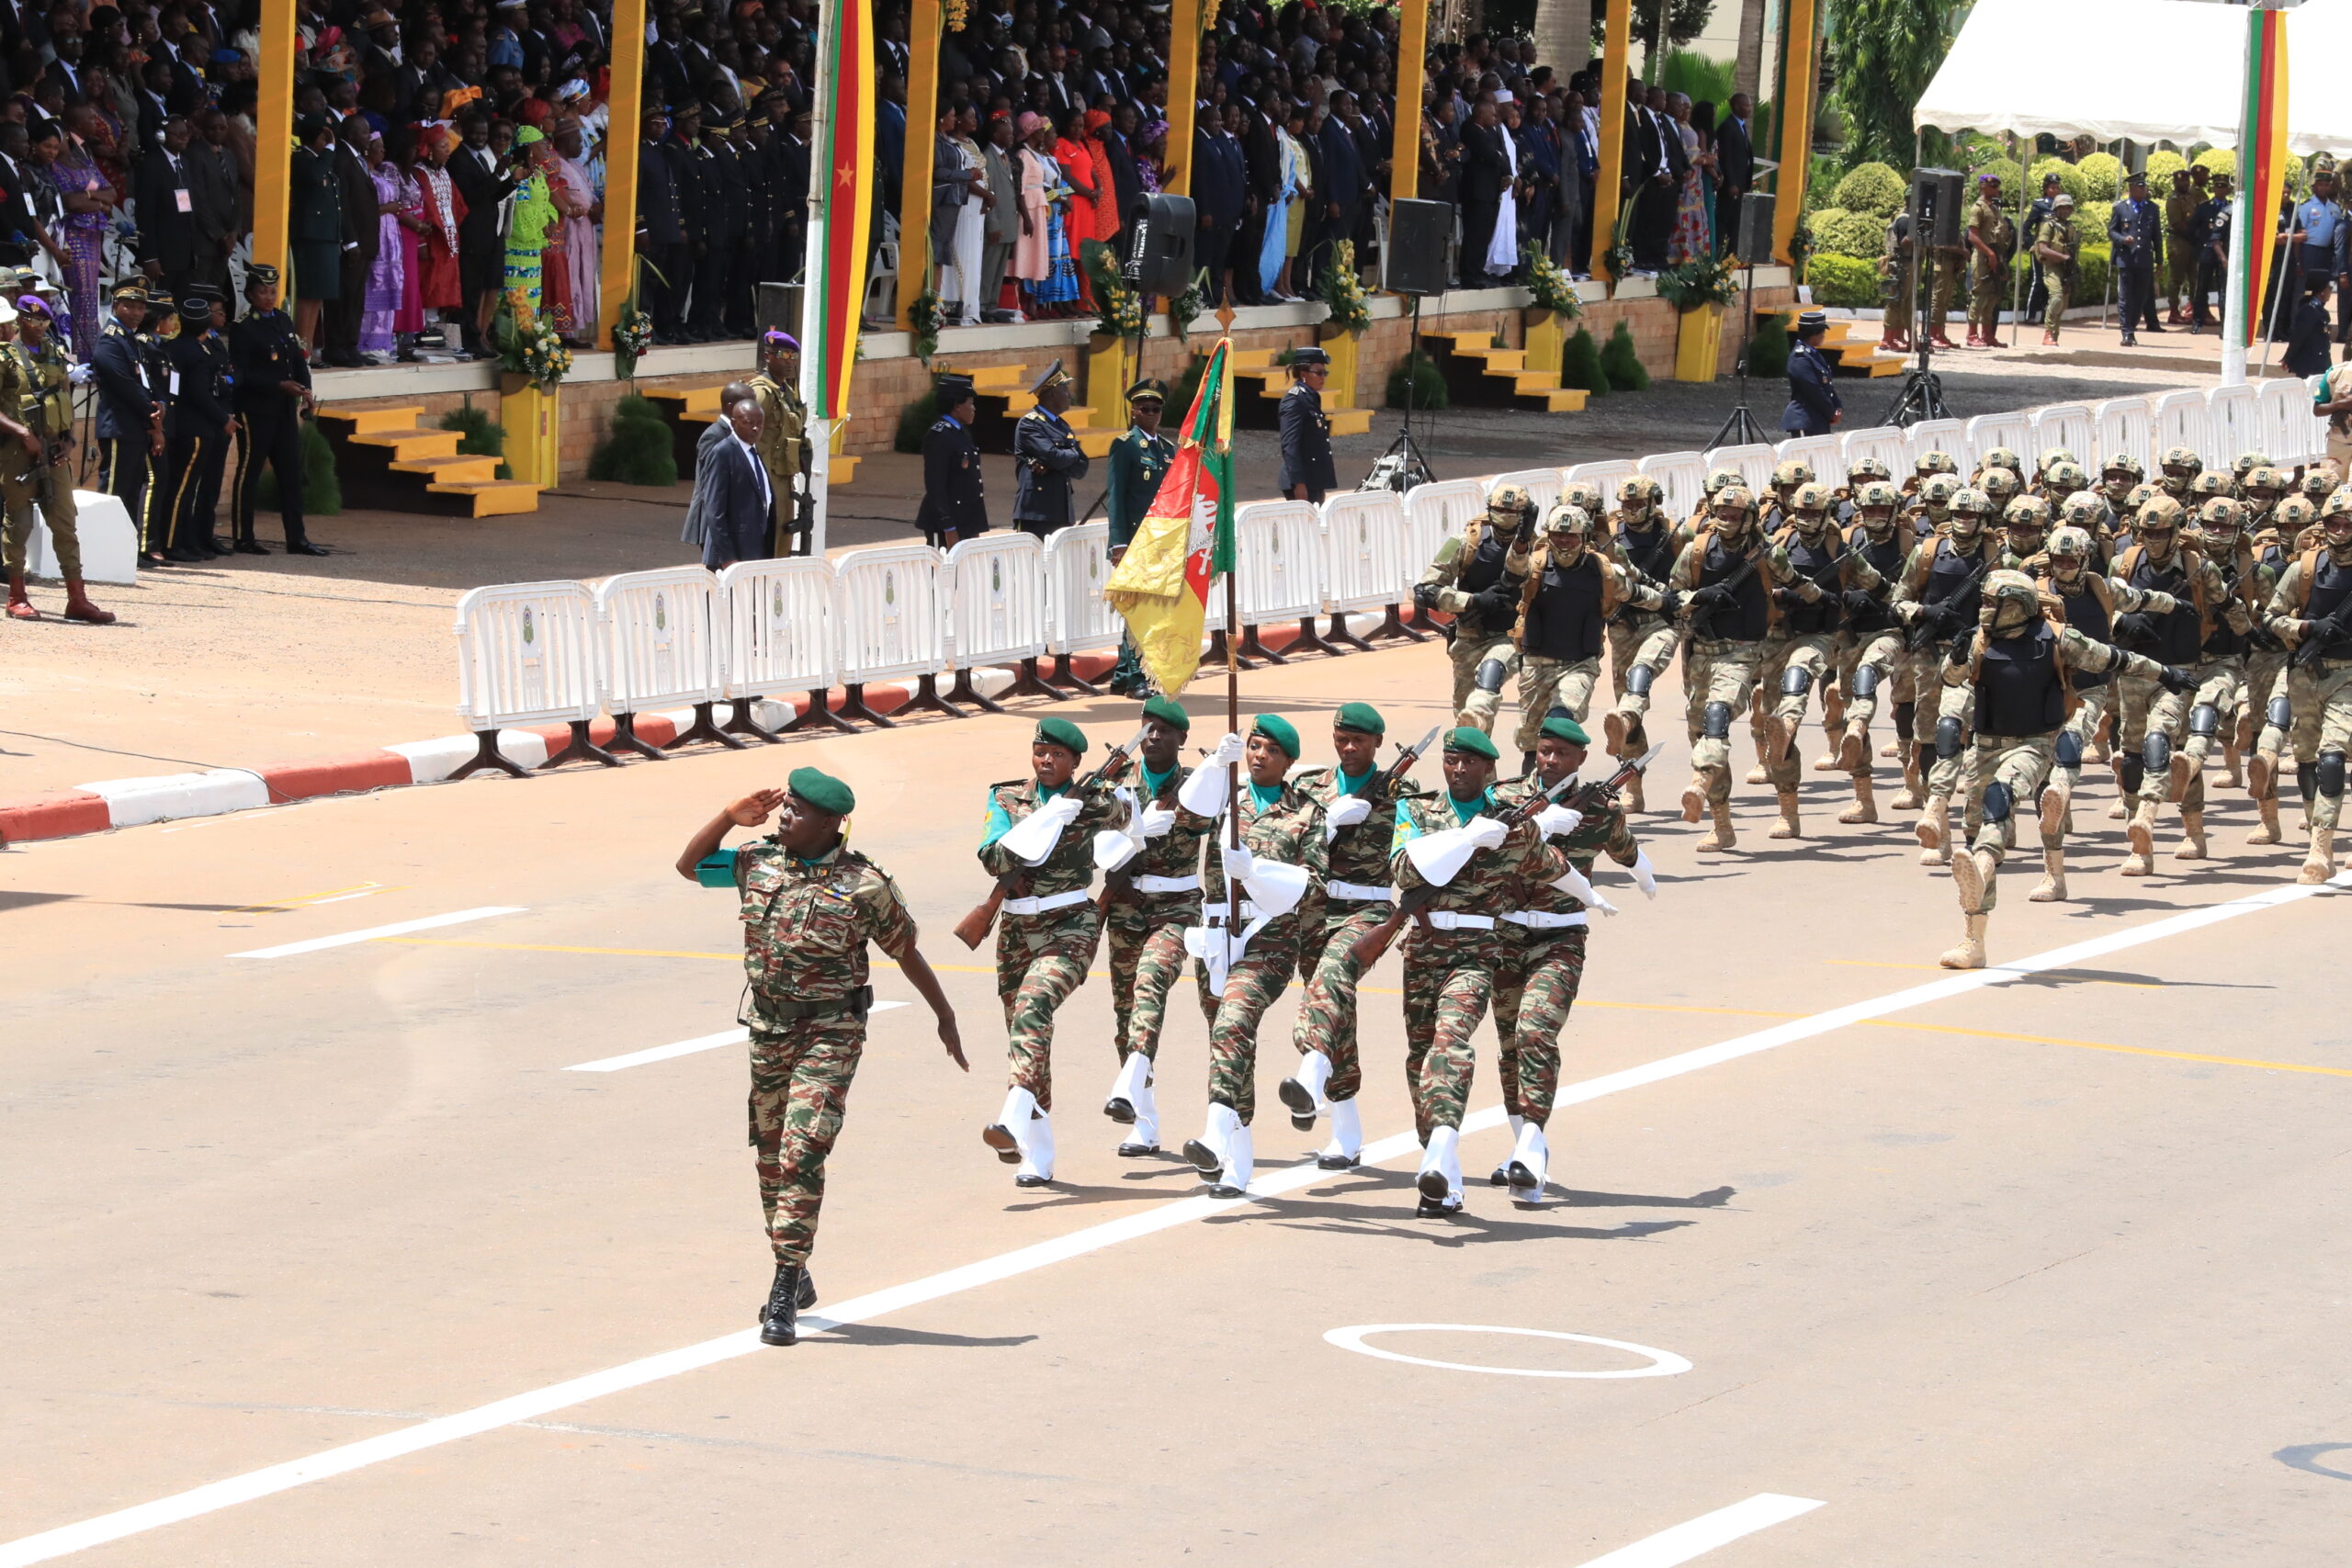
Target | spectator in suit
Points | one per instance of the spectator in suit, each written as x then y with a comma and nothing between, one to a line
355,191
737,524
1218,197
1340,186
1540,149
1002,228
715,435
1734,168
483,180
1486,174
163,189
222,202
1126,183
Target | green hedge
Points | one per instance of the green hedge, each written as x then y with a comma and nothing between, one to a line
1618,357
1767,351
2070,178
2091,217
1840,232
2219,160
1418,372
1844,282
1580,365
2009,174
1873,188
321,486
915,420
2103,175
2160,167
2091,269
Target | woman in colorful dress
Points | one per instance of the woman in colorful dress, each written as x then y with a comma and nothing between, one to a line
89,204
385,279
1689,240
440,292
534,214
584,207
408,318
1077,205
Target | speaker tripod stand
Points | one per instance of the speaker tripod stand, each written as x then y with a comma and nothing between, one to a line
1741,429
1403,465
1921,395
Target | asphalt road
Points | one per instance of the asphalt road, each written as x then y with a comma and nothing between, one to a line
2031,1266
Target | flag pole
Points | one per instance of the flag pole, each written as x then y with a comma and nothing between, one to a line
814,395
1223,362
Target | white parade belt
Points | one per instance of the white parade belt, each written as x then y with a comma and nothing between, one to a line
1215,911
1047,904
1361,892
1544,919
1165,884
1453,921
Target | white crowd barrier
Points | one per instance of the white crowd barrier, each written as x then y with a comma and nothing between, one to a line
1277,561
1884,442
1754,462
1436,512
889,620
2065,427
1543,485
2178,419
1078,618
2126,429
2234,418
778,626
1365,565
1991,432
1945,436
996,600
1825,454
2291,433
657,642
526,654
1607,477
1683,476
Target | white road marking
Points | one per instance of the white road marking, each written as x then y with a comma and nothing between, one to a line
1662,1363
682,1048
431,922
277,1478
1708,1532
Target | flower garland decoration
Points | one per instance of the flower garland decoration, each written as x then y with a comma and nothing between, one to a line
1553,289
527,343
1119,309
1704,281
632,335
1187,305
1343,292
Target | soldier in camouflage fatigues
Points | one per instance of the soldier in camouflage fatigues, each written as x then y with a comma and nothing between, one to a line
809,906
1359,804
1828,583
1543,947
1642,643
1037,839
1152,895
1471,865
1280,862
2053,253
2269,712
1992,240
1466,581
1869,646
2223,665
1568,592
2307,607
1935,600
1898,281
2181,247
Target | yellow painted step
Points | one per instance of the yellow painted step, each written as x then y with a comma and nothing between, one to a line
469,468
993,379
1350,422
1498,361
494,498
409,446
373,422
690,400
840,471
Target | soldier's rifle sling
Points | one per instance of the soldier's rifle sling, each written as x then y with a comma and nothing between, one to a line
1931,617
2321,634
973,929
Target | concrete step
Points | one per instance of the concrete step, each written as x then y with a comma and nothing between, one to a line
452,469
1350,422
374,422
409,446
688,402
490,498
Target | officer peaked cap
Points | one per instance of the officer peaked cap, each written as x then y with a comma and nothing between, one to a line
1302,357
1474,741
1060,732
1361,717
823,791
1055,376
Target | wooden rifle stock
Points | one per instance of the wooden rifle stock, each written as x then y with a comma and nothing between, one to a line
973,929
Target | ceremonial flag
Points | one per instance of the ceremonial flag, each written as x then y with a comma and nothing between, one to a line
1161,584
2262,158
843,155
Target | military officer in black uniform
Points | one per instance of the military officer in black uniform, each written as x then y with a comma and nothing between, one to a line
664,245
727,199
1139,460
1046,459
273,389
1814,404
196,432
1308,474
130,429
954,504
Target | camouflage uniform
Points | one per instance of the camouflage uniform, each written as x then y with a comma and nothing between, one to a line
2224,671
1563,611
2319,689
1287,828
2057,233
2151,724
1721,661
1642,643
1042,954
1936,588
1898,281
22,386
1356,863
805,926
1802,646
1483,653
1146,910
2180,250
2268,708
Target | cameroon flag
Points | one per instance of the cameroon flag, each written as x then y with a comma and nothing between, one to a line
2262,162
835,285
1185,543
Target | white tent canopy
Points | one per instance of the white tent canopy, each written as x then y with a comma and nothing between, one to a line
2145,70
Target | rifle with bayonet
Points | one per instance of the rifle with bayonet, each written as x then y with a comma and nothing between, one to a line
973,929
1390,781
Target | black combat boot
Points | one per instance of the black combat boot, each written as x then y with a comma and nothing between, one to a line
792,1291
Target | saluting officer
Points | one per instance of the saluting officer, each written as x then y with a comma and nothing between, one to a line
1046,459
1308,473
810,903
273,387
954,505
195,434
1139,459
130,431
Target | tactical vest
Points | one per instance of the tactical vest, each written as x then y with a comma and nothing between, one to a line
1886,560
2221,641
2326,585
2179,633
1820,564
1482,566
1576,603
1649,551
1750,615
2020,687
1947,569
2090,611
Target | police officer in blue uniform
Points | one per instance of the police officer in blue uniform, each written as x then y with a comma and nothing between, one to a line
195,434
130,424
2135,236
954,504
1307,473
273,389
1046,459
1814,404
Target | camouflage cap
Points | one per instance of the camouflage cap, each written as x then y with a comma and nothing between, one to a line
1636,489
2205,486
2181,457
1733,499
2337,504
1584,494
2055,456
2318,483
2245,461
2294,514
1868,468
2083,508
2141,494
2066,479
2223,514
2000,484
2263,477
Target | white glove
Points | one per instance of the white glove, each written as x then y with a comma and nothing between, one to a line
1032,839
1346,813
1238,862
1555,820
1575,885
1206,793
1645,876
1275,886
1154,821
1114,848
1229,750
1486,833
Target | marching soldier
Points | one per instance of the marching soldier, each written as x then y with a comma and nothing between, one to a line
130,424
1869,646
1992,240
1307,472
1467,580
1642,643
2053,254
1826,583
38,452
273,380
1037,841
955,500
1567,595
1046,459
2025,529
2176,472
810,904
1936,599
1280,859
1543,947
784,433
2275,546
196,428
2309,614
2016,666
1360,804
1139,460
1152,895
1475,864
2223,670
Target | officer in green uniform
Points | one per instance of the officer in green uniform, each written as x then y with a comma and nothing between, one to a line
1139,459
783,435
1898,280
44,415
810,903
1992,238
2053,253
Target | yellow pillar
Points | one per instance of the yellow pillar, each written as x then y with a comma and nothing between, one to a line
274,136
621,133
1183,90
1794,114
1412,51
922,135
1616,48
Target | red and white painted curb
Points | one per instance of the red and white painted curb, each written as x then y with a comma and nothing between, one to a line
163,797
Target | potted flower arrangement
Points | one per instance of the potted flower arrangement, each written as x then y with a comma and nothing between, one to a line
1699,290
1555,305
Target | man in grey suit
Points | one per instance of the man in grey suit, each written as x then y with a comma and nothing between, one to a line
738,526
214,193
1003,230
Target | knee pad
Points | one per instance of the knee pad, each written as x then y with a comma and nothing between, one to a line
1947,739
1638,679
1490,677
2330,769
1716,724
2132,772
2204,719
1795,683
2307,781
1865,682
2282,713
2156,751
2069,748
1997,803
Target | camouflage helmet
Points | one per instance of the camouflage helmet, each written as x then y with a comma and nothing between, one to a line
1967,501
2208,485
2026,512
2141,495
1862,468
2293,514
2069,542
2265,477
2337,504
1795,472
2246,462
1509,504
2001,458
1935,463
1939,490
1878,495
2123,462
2221,517
2320,482
2162,512
1566,518
2181,457
2066,479
1584,494
1718,479
2009,587
1639,489
1999,485
2082,510
1812,498
2055,456
1734,499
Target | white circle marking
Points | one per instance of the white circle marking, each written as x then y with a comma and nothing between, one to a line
1662,1363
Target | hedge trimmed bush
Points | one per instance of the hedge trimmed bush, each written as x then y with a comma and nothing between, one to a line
1839,233
479,435
1580,365
1418,372
1843,281
1874,188
2007,171
2102,175
2219,160
2070,178
2091,217
2160,165
1767,351
637,449
915,421
1624,365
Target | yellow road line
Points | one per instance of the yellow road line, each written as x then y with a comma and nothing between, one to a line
301,899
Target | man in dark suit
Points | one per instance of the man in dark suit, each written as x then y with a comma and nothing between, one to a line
214,192
1218,198
1485,170
1339,184
165,191
2307,338
1126,184
361,236
1657,194
1814,404
737,525
726,202
484,182
1541,149
1263,166
1734,168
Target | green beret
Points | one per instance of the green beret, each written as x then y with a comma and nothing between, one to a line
1167,711
1063,733
823,791
1474,741
1562,725
1279,730
1362,718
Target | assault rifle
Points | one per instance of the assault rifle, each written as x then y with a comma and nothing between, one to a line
2310,648
1414,905
973,929
1702,616
1939,620
1391,779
